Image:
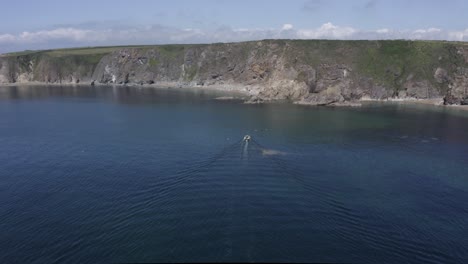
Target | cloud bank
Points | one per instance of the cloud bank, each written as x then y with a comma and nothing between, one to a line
70,36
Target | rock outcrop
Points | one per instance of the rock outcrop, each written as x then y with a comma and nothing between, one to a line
315,72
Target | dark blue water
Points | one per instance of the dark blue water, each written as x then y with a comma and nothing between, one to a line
142,175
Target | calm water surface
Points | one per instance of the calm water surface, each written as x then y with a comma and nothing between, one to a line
142,175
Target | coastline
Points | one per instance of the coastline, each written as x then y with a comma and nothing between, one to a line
436,102
409,100
245,93
232,89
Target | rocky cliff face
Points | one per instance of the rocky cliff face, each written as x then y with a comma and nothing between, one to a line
319,72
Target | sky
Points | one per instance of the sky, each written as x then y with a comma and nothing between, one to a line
49,24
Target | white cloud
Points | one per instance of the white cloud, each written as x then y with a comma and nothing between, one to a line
287,27
72,34
382,31
459,35
68,36
327,31
7,38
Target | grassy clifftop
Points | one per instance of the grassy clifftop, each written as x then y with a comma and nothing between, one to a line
388,61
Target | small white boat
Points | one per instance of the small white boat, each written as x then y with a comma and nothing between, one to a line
246,138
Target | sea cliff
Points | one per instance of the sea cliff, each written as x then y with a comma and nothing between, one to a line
316,72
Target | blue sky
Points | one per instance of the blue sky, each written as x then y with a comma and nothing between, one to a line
63,23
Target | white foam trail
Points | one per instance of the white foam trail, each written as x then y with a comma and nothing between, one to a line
245,152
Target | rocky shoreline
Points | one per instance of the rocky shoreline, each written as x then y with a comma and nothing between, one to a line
236,93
